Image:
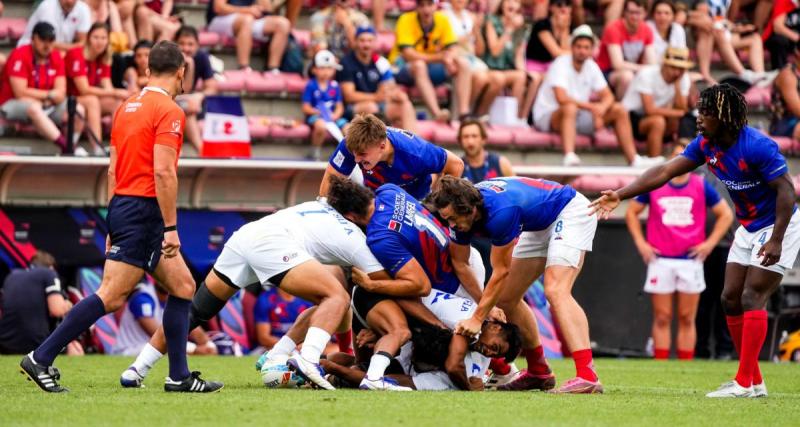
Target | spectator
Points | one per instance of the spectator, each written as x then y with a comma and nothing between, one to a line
760,15
31,299
246,20
322,100
666,32
550,37
505,55
470,42
785,105
563,104
126,9
334,28
612,9
33,85
782,32
626,46
480,164
657,99
88,70
674,251
154,20
141,318
368,84
198,69
275,312
712,28
136,73
105,12
427,55
71,20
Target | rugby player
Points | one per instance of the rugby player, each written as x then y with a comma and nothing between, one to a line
535,226
286,249
389,155
766,244
146,139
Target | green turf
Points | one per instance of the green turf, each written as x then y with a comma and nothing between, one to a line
638,392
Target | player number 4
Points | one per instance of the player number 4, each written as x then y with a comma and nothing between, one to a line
763,238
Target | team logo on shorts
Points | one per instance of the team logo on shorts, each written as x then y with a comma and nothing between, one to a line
394,225
287,258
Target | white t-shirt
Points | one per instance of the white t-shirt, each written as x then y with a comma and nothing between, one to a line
650,82
327,236
677,38
131,338
461,23
79,20
579,85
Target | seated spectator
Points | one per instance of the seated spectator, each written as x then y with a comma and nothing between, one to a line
106,12
275,312
564,103
426,53
657,99
626,46
71,20
31,299
674,251
782,32
322,100
198,69
760,11
126,10
480,164
612,9
33,87
712,28
666,32
248,20
785,105
470,45
505,55
550,37
141,318
136,74
368,84
88,70
154,20
334,28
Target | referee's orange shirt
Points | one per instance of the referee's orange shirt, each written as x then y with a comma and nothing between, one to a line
141,122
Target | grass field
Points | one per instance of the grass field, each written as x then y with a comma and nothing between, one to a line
638,392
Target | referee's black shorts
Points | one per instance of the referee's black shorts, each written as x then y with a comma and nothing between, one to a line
136,228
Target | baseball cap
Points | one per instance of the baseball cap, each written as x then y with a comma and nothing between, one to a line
582,32
44,30
325,58
364,29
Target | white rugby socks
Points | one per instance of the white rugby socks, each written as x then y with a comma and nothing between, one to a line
377,366
147,359
314,344
284,347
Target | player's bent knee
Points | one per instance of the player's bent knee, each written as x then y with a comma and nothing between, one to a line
205,305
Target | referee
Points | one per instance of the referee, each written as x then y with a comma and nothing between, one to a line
146,139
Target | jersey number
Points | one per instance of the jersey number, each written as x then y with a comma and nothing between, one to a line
763,238
445,296
559,226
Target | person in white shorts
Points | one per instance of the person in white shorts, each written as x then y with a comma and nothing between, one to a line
248,20
536,227
285,249
674,251
755,172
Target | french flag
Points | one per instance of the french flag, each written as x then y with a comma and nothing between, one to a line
225,133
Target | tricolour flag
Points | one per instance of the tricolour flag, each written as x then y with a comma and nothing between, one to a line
225,133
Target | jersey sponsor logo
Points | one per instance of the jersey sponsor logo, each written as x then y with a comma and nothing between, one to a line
338,159
740,185
403,132
394,225
476,368
291,256
497,186
403,211
677,211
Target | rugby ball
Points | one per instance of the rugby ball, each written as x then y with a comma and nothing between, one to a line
275,374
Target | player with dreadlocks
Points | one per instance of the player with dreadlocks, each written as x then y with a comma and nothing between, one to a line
766,244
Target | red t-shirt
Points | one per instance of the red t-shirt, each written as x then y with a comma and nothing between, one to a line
633,45
141,122
155,5
780,7
77,66
21,64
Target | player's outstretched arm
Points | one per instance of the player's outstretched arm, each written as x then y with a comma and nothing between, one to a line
784,207
409,281
501,264
325,185
651,179
454,364
459,255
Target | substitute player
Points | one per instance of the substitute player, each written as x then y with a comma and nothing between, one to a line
389,155
535,226
674,251
287,250
146,139
766,245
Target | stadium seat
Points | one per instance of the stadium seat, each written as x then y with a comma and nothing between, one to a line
758,97
258,126
303,37
425,129
280,128
406,5
295,83
445,134
605,139
4,27
531,138
264,83
234,81
581,141
16,27
385,42
209,39
500,135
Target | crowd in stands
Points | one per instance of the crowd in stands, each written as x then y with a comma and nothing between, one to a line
536,64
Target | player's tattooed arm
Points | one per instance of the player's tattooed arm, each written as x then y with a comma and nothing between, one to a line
784,207
459,254
501,264
454,364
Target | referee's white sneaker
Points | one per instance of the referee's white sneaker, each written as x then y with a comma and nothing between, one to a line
760,390
382,383
731,389
309,371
